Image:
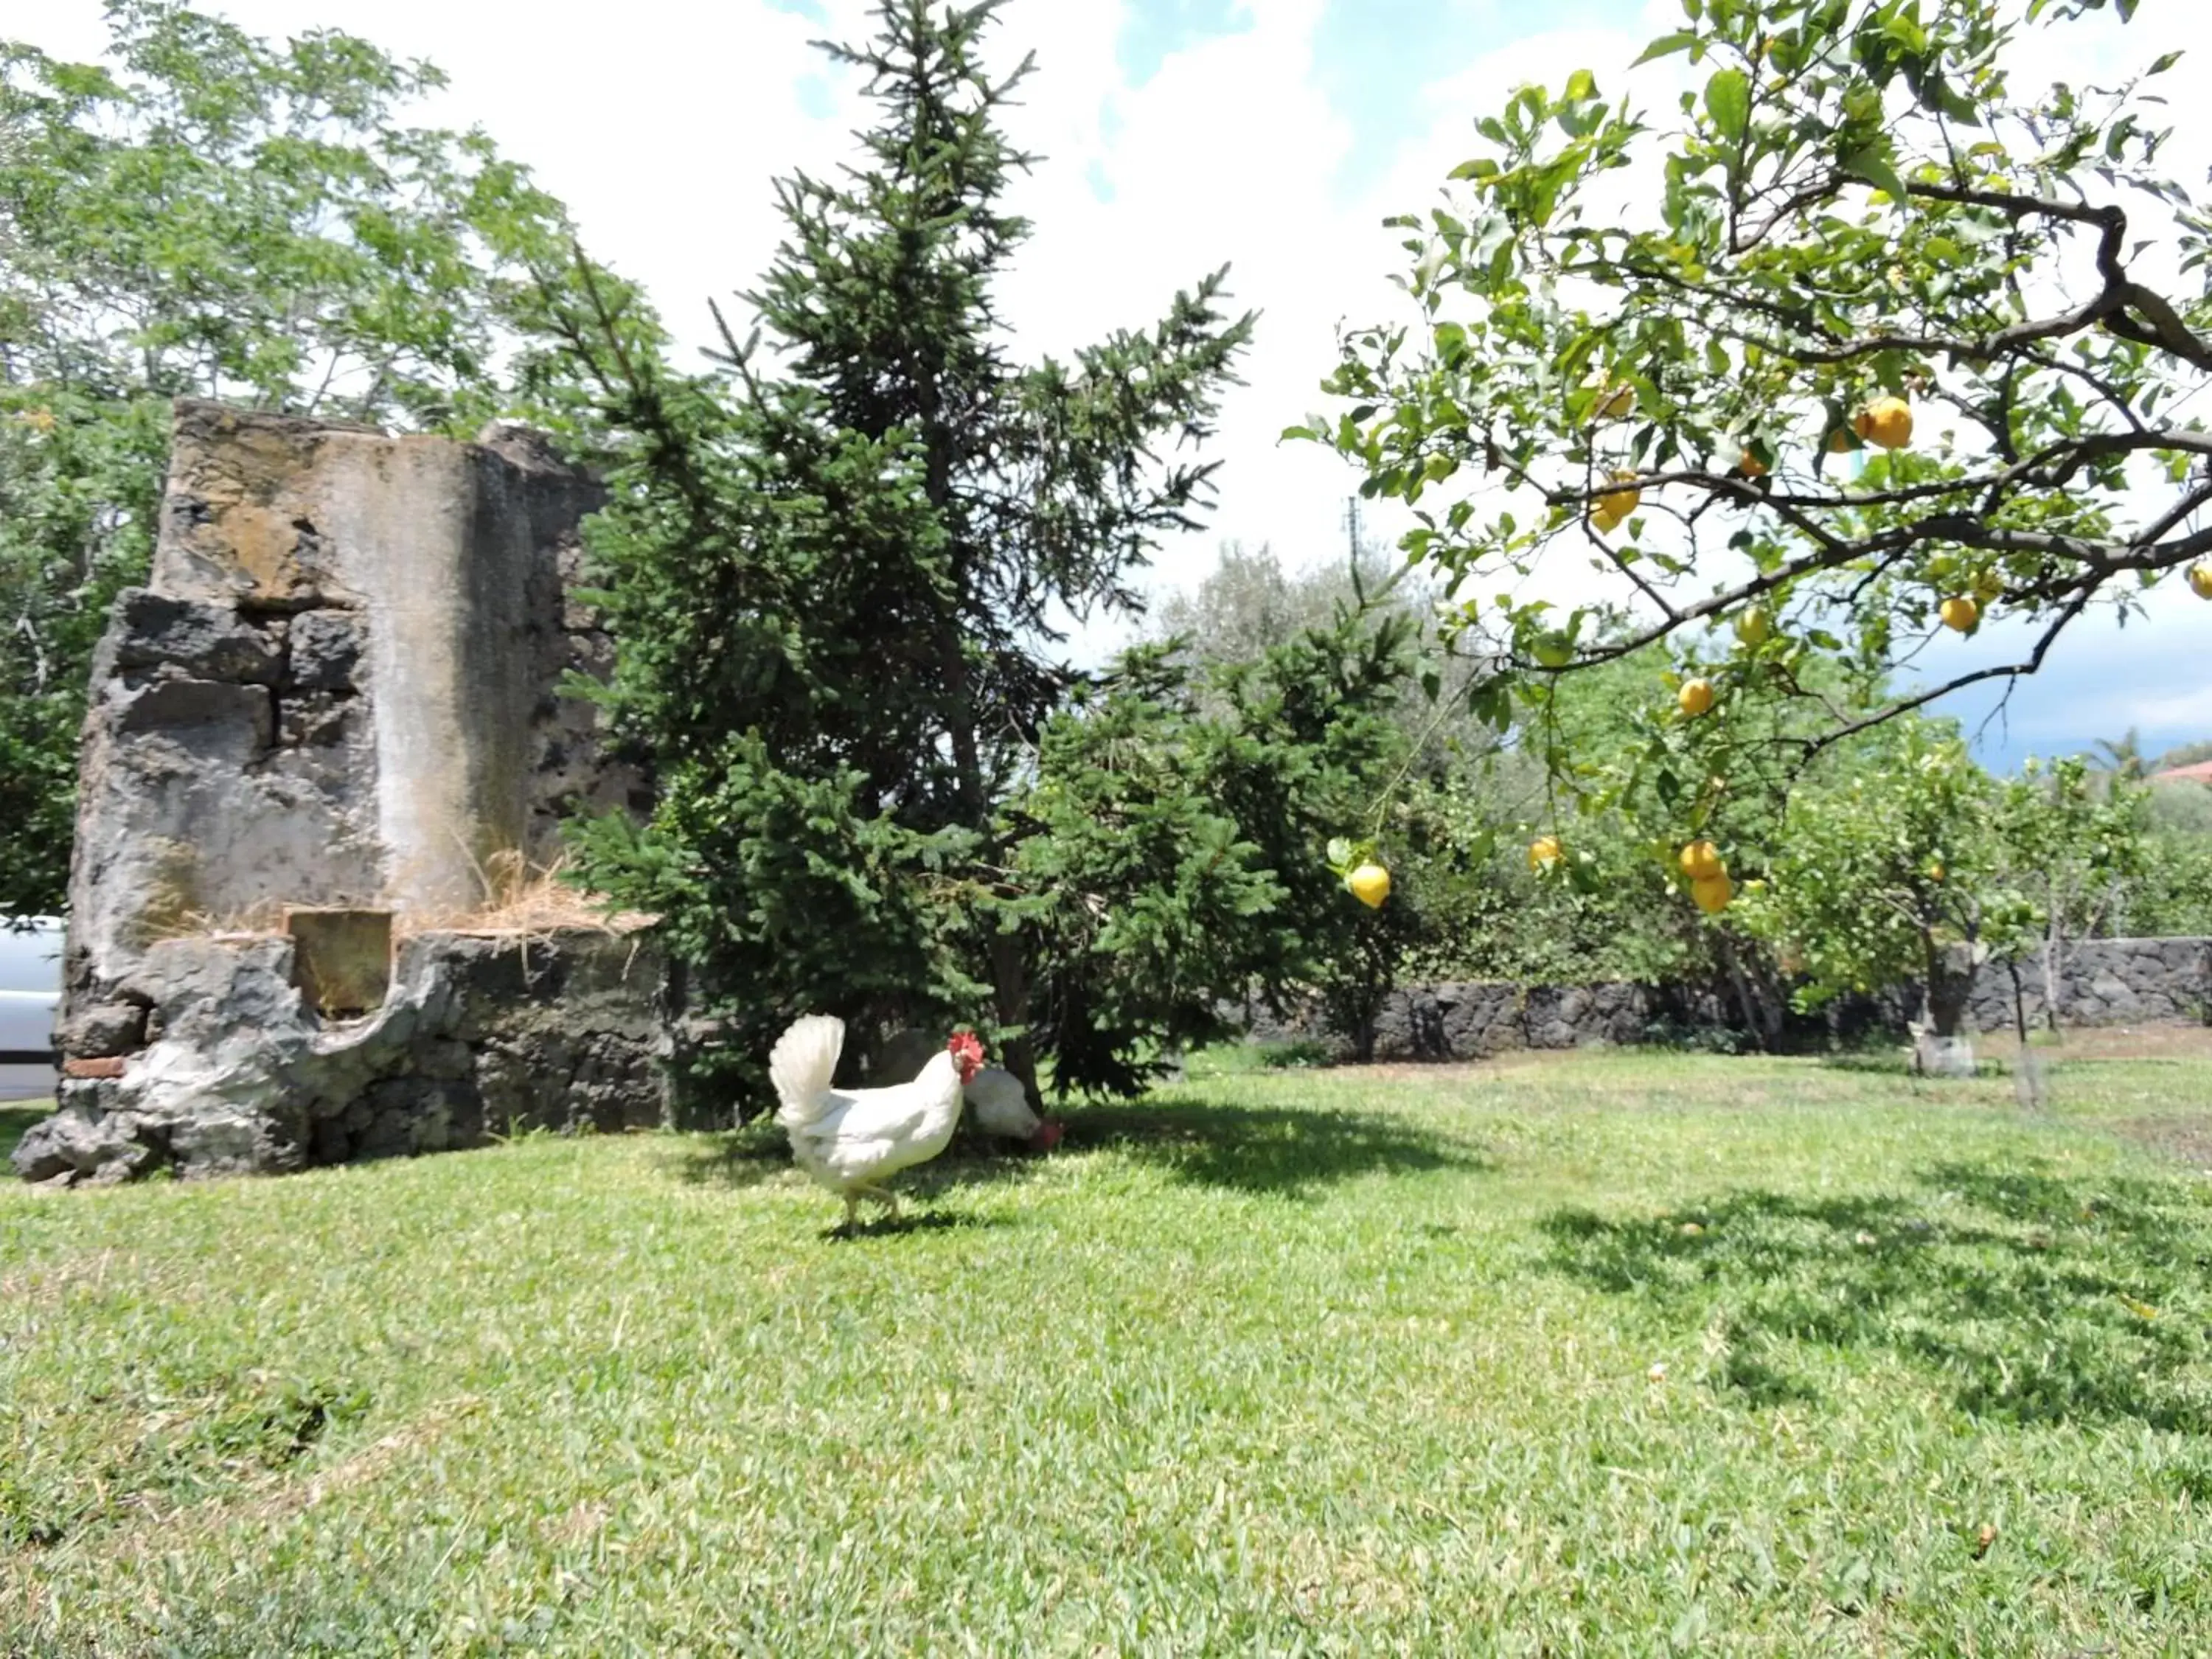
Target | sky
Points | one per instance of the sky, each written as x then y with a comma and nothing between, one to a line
1177,135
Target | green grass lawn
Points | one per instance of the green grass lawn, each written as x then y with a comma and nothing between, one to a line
1618,1354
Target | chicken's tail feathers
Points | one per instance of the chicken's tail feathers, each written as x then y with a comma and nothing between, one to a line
801,1064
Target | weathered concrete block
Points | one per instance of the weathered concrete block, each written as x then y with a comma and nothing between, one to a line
82,1143
317,719
101,1028
168,706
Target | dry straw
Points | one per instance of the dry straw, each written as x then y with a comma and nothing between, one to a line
531,902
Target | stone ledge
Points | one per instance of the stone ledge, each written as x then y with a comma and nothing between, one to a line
481,1034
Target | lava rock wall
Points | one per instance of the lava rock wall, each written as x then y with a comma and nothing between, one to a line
230,1071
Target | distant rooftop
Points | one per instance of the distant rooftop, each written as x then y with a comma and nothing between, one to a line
2200,773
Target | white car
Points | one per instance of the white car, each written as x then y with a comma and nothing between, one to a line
30,989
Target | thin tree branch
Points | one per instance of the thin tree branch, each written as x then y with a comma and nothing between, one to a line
1813,747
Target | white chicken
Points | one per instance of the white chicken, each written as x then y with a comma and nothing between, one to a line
852,1140
1003,1109
994,1095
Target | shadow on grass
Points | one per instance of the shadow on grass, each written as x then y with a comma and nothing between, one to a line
1249,1149
908,1220
759,1153
2031,1297
1263,1149
1897,1063
15,1122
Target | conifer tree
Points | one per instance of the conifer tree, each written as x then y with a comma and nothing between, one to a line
835,558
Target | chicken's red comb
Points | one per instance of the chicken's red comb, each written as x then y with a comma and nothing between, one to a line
966,1043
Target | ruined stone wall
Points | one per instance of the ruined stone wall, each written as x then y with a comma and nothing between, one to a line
2106,982
342,689
340,686
1474,1021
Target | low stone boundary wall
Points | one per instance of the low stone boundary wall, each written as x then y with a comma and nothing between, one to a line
2106,982
1473,1021
2159,982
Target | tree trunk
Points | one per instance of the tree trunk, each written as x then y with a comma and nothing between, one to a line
2051,974
2027,1069
1950,988
1944,1047
1762,1021
1010,977
1009,983
1371,1006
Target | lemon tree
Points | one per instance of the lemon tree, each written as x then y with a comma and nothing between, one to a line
1870,339
2084,842
1896,867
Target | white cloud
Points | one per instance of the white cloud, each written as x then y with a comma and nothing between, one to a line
664,126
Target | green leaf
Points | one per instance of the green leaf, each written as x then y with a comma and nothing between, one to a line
1873,163
1667,44
1480,167
1727,101
2164,64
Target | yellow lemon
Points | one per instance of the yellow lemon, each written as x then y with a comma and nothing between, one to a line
1839,442
1369,884
2200,580
1750,466
1712,894
1754,625
1554,650
1887,421
1612,405
1544,852
1620,503
1936,872
1960,614
1701,861
1696,697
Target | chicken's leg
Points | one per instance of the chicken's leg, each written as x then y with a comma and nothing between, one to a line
884,1196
